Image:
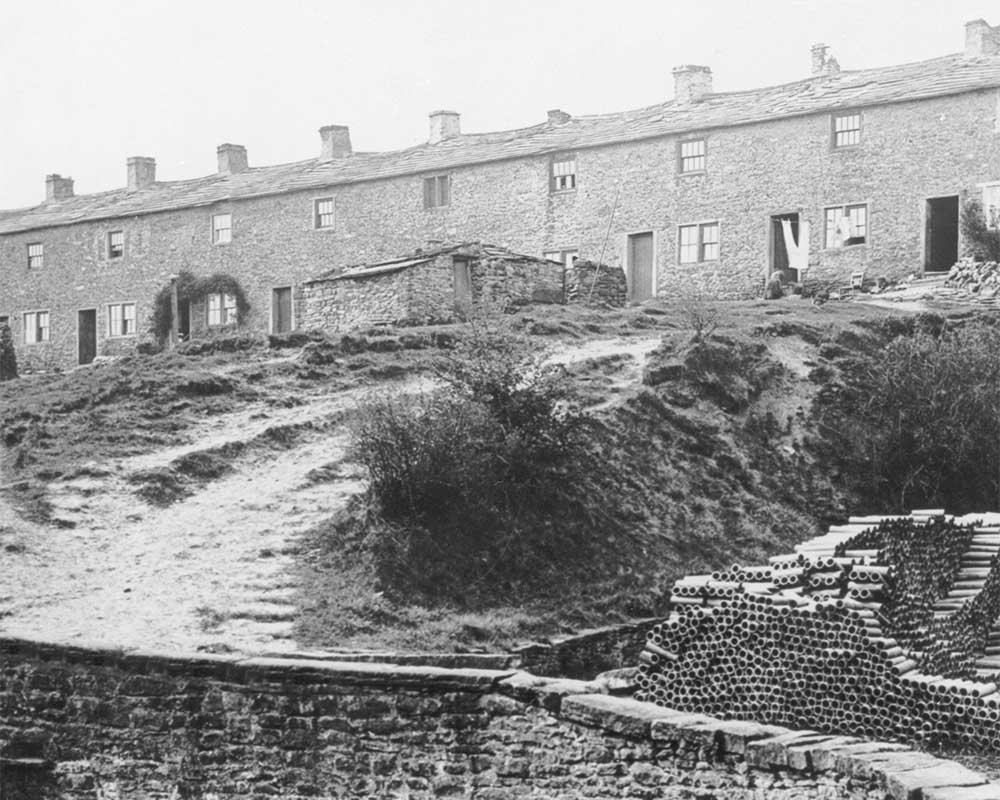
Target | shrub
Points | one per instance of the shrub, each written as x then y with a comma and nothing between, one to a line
8,358
919,422
475,482
981,236
192,289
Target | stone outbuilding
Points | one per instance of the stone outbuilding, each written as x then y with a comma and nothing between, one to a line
430,285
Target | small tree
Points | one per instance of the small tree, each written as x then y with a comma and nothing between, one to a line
8,358
982,235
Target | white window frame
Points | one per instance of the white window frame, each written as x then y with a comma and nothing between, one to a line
702,156
435,198
220,234
111,254
35,329
317,215
122,320
562,173
699,244
40,255
857,132
992,219
224,309
844,208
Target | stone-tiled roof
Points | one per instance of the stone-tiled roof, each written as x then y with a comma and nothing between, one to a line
952,74
422,256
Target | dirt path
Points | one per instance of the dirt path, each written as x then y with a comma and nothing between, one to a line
208,572
212,571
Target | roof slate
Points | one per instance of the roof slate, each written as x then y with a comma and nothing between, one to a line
952,74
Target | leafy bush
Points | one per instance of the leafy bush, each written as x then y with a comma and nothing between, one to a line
474,482
8,358
981,235
918,423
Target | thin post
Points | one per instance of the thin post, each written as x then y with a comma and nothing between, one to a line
174,312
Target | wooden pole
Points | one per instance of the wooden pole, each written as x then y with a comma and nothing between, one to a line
174,312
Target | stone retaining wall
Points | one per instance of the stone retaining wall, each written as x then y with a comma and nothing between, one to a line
79,722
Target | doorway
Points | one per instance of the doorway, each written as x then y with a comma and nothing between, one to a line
780,262
640,267
463,285
86,335
941,243
281,309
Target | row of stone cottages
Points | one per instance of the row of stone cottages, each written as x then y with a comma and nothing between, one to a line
820,177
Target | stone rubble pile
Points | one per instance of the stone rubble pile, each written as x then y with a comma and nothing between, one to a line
975,277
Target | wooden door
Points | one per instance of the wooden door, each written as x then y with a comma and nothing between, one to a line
86,335
640,267
463,285
281,308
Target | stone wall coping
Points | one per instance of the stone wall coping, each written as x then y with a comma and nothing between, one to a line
904,774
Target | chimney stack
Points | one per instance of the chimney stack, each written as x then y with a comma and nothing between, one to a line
691,83
336,142
981,39
444,126
232,159
57,188
141,172
558,117
823,64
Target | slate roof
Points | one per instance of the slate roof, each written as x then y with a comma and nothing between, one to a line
947,75
423,256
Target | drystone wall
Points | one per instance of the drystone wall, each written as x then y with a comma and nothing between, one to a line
89,723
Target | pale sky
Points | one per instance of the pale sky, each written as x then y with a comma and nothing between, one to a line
84,84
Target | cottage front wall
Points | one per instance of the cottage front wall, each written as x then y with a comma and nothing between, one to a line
908,152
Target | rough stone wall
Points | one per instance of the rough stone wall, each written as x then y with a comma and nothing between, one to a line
909,151
424,293
85,723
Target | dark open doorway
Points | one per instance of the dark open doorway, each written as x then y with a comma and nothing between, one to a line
86,335
183,321
779,252
941,246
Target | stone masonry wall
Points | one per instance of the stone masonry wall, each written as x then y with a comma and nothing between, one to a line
91,723
908,152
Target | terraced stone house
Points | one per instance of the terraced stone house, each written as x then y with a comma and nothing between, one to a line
818,178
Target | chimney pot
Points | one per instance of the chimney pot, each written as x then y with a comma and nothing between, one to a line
823,64
691,83
981,39
57,188
336,142
141,172
444,125
232,159
558,116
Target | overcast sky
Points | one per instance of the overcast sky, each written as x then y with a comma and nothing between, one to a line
87,83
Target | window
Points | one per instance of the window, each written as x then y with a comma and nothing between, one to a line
991,204
564,257
221,309
36,256
116,244
563,173
437,191
323,213
36,327
846,225
846,130
699,242
692,156
222,228
121,319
